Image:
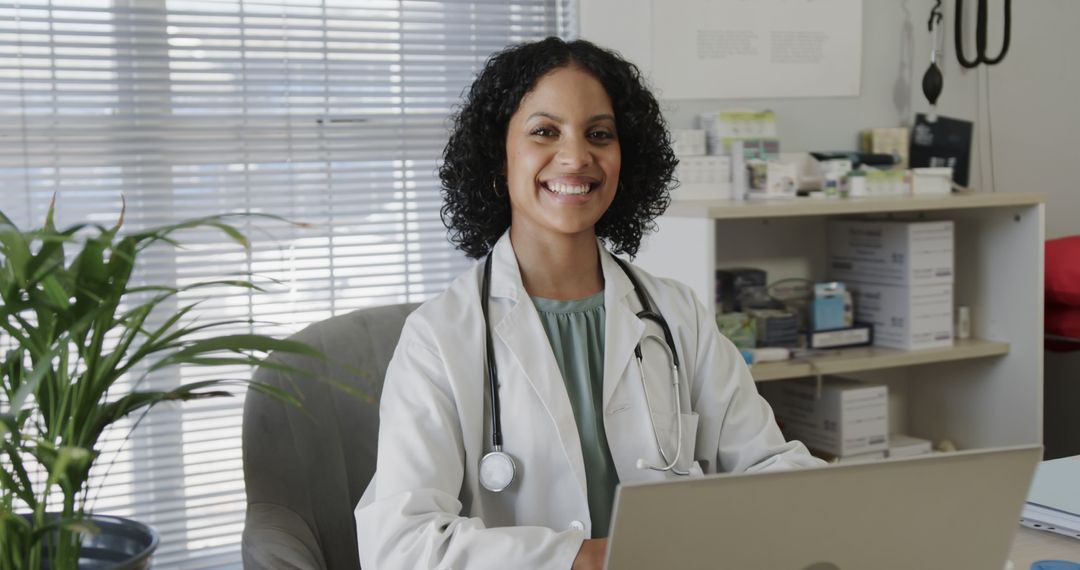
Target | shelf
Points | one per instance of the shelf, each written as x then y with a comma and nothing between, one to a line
982,393
730,210
859,359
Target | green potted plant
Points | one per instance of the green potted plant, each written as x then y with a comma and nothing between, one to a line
72,326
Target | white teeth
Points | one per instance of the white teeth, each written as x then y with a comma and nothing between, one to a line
560,188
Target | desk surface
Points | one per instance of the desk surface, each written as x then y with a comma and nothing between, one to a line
1032,545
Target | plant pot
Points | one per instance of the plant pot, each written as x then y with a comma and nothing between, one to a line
122,544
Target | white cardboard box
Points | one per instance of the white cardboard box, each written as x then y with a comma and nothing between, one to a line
703,178
907,318
722,127
688,142
892,252
931,181
901,445
857,458
849,418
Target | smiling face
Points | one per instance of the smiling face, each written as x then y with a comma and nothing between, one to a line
562,156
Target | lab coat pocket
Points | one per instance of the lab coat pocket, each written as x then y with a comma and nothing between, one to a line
668,431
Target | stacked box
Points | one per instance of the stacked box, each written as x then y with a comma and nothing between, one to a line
901,445
739,328
908,318
901,277
703,178
757,130
849,459
849,417
688,142
729,282
889,140
776,328
892,253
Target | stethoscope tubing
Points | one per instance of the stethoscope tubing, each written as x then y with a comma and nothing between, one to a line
980,34
489,354
646,314
670,463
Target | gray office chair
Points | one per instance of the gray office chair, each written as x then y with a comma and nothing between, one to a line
306,468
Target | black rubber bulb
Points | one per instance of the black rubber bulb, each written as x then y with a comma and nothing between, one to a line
932,83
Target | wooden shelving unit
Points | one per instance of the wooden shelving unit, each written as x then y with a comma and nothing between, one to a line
805,207
978,393
866,358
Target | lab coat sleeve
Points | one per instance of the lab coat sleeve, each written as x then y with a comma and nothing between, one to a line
732,413
410,516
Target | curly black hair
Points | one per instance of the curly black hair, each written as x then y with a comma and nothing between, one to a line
475,156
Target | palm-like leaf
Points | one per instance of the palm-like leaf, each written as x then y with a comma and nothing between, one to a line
77,329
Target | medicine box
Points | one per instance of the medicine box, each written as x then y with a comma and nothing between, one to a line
739,328
931,181
892,252
688,142
887,140
906,318
776,328
781,179
756,127
901,445
885,182
849,459
731,281
703,178
829,304
848,418
861,457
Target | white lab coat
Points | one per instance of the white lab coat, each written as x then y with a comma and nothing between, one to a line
425,507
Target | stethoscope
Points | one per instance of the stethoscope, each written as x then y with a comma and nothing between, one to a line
498,469
980,35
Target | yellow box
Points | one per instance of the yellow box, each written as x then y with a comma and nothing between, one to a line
886,140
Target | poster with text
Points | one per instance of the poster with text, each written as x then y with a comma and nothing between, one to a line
734,49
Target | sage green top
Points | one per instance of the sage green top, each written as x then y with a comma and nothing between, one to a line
576,331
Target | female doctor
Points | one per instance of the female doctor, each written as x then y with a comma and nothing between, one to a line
559,157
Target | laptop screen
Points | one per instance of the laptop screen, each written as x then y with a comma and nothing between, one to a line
956,510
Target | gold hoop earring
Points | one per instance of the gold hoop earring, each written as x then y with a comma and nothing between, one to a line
495,187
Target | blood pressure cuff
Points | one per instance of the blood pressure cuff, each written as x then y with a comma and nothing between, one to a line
1062,273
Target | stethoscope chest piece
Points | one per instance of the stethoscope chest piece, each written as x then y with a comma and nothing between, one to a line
497,471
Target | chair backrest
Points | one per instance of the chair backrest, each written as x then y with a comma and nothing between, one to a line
306,467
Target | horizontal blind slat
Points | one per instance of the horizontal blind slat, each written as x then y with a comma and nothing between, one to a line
332,113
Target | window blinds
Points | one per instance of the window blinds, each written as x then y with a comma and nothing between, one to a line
328,112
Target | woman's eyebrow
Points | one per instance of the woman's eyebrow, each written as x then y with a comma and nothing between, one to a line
558,119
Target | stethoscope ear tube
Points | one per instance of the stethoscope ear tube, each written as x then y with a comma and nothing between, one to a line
497,469
489,354
647,313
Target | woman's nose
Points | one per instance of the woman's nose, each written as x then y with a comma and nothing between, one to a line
574,153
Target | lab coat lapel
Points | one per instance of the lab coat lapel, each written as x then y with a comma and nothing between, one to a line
623,330
519,328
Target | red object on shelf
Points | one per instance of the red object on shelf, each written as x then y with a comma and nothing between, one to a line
1062,316
1063,271
1063,322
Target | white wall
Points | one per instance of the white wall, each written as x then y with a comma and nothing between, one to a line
1034,95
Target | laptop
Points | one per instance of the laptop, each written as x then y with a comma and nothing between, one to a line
955,510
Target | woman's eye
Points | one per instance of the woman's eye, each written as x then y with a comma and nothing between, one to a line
601,135
542,132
